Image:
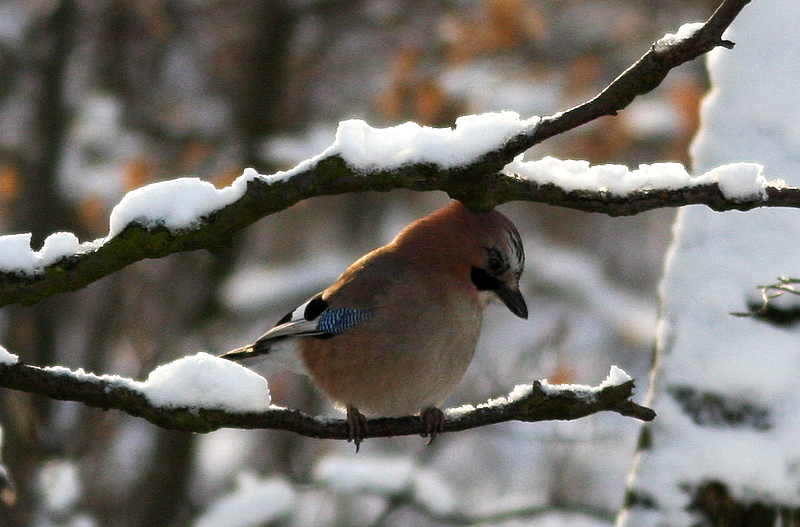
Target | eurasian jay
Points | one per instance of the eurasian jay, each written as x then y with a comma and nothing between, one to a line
396,331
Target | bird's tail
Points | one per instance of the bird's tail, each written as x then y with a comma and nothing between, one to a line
281,350
245,352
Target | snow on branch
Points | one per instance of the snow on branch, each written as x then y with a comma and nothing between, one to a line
203,393
476,162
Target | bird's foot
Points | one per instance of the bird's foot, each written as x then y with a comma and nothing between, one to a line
356,426
432,422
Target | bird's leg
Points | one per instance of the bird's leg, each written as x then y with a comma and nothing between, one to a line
432,422
356,426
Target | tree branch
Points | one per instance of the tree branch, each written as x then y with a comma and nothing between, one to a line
137,243
556,402
642,77
480,184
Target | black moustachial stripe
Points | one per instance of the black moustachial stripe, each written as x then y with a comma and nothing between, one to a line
484,281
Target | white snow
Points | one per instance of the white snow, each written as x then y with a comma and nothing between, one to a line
84,376
684,32
16,253
737,181
58,245
364,147
206,381
197,381
615,377
17,256
177,204
714,267
255,502
6,357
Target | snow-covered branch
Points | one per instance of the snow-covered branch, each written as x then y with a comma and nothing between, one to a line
470,163
202,393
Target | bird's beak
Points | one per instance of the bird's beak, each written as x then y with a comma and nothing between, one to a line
513,300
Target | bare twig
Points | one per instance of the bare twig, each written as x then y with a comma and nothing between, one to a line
768,311
642,77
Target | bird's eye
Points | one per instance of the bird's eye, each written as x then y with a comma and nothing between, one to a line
495,263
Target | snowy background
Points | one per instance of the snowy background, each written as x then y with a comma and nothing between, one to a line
726,389
122,94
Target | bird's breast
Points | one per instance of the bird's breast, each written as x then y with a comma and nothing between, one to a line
405,358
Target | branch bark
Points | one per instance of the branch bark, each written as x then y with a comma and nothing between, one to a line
480,184
557,403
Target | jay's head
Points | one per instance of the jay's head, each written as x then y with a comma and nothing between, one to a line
500,272
486,245
500,261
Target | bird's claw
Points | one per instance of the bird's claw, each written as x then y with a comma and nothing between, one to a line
432,422
356,426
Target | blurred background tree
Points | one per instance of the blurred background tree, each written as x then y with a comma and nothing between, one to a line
99,98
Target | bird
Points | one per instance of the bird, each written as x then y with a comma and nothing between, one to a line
395,333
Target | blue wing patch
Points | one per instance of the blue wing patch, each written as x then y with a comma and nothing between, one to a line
337,321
